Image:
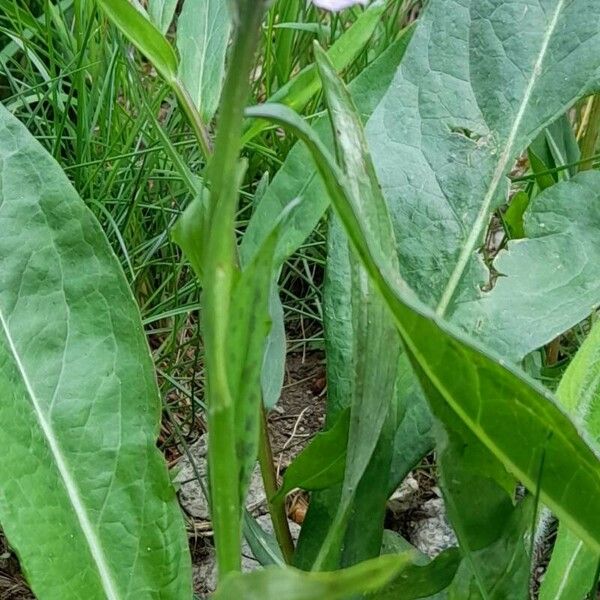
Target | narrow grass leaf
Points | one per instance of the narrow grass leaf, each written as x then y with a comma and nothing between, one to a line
299,90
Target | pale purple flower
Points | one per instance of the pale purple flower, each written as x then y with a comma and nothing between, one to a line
335,5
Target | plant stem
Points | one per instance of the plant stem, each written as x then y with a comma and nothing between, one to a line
589,139
193,116
221,270
277,509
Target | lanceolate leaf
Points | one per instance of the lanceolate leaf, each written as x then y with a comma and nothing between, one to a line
376,345
517,420
85,495
574,565
321,464
202,39
444,137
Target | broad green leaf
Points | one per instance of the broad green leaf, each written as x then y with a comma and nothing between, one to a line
203,29
517,420
548,282
276,583
505,563
573,565
86,498
493,533
321,464
143,35
161,13
444,139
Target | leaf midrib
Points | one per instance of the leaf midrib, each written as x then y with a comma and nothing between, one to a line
505,157
69,483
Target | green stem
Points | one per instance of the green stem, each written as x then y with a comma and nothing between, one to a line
589,141
277,509
221,270
193,116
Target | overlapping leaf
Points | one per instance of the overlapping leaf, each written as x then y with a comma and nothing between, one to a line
466,101
574,565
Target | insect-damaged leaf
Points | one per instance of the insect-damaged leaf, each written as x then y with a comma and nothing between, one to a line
444,138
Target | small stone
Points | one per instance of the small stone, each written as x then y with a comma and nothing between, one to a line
405,497
433,534
190,492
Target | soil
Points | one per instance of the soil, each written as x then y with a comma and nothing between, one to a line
300,413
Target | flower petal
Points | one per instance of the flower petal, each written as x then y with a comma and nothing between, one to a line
335,5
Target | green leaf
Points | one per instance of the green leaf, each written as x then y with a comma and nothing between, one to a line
572,569
505,563
548,282
143,35
249,326
161,13
376,345
513,217
321,464
263,545
275,583
86,498
297,178
203,30
494,535
573,565
517,420
422,580
414,436
443,139
187,232
555,147
273,371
